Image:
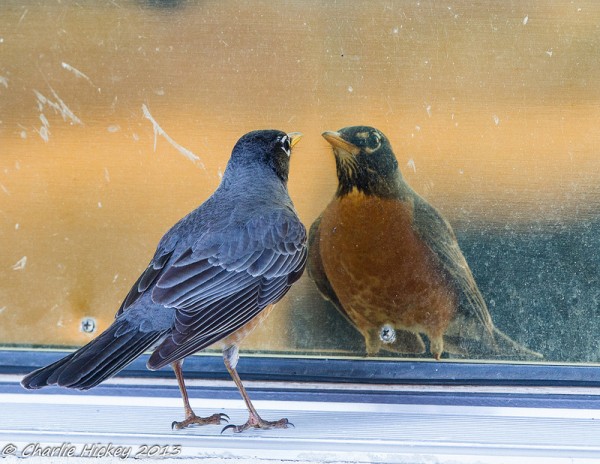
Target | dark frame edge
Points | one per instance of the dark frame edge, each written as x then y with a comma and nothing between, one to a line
368,371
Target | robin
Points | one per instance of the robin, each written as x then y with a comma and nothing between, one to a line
390,263
214,277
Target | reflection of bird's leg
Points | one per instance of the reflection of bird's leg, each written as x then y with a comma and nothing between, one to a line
230,358
436,344
190,416
372,341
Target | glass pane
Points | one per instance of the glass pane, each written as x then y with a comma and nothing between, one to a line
118,118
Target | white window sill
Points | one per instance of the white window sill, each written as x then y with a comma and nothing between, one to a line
325,430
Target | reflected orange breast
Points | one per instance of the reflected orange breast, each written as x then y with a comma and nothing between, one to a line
380,269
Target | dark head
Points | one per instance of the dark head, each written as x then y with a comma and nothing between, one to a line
271,148
365,161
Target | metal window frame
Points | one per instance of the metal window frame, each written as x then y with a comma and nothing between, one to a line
341,370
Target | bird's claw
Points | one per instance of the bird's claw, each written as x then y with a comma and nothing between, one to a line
258,423
230,426
216,419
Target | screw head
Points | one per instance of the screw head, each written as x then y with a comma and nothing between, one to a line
88,325
387,333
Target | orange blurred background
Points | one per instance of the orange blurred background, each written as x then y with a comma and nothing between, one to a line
492,108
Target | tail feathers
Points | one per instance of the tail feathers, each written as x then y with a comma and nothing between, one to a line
95,362
467,337
506,344
39,378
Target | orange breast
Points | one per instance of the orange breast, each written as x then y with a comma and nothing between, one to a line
379,268
238,336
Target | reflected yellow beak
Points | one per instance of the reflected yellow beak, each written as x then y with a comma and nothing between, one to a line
336,141
294,138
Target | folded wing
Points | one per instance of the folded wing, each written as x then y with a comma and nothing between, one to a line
223,280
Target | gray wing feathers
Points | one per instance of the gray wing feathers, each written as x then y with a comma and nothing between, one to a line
223,280
146,280
440,238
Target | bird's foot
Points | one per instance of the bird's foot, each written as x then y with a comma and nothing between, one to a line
193,419
255,421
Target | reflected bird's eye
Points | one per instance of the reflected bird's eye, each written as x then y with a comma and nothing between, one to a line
373,142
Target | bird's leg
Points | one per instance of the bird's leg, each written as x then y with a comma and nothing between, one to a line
230,358
190,416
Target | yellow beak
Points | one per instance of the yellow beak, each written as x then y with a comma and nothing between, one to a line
294,138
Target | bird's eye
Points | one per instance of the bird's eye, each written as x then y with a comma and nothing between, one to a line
285,145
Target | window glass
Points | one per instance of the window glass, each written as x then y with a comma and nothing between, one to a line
118,118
